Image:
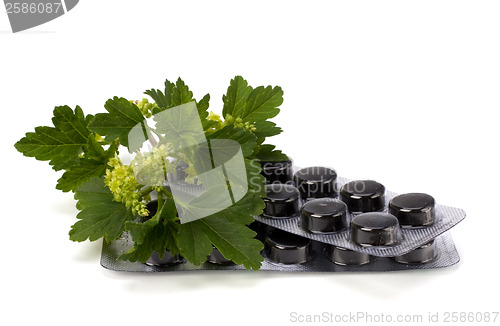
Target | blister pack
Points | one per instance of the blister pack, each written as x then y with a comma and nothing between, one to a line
377,233
315,221
359,215
289,253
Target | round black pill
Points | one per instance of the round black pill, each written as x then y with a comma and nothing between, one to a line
421,255
346,257
280,171
316,182
179,174
374,229
282,200
286,248
363,196
324,215
216,257
413,209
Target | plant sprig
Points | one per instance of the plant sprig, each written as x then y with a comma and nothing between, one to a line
112,196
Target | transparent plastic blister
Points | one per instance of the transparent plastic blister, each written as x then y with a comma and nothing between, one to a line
444,255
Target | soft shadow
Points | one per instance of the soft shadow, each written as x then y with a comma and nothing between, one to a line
175,282
377,285
390,285
89,252
64,206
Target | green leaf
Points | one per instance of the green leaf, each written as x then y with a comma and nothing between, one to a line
268,153
256,181
247,139
227,229
78,174
93,164
252,105
70,122
265,129
122,116
163,99
228,232
159,98
178,94
216,194
100,216
174,95
94,150
157,237
236,97
181,93
156,234
262,104
194,243
202,107
61,144
180,126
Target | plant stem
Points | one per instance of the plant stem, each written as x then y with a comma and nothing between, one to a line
166,193
151,139
145,191
160,200
161,139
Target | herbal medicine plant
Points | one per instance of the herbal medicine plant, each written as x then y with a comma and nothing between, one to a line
112,198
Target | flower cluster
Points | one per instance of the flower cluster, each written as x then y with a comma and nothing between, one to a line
238,122
230,120
146,107
151,168
122,183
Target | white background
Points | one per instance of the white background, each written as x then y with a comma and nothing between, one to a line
403,92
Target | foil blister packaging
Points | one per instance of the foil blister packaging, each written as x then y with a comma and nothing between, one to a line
319,259
306,228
